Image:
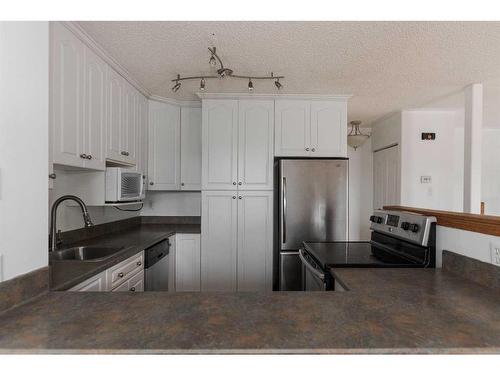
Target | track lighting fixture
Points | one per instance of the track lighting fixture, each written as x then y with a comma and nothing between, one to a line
224,72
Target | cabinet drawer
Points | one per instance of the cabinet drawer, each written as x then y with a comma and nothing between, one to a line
134,284
125,270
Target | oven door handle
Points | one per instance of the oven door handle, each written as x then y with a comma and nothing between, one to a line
313,270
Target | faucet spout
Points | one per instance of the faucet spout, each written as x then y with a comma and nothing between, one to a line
53,217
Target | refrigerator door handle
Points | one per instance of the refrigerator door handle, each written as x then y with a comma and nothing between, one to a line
284,209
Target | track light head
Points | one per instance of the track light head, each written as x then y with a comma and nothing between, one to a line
176,87
202,84
278,85
250,85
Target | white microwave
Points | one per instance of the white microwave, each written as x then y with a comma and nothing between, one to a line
124,185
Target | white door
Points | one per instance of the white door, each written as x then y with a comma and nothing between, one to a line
292,125
255,241
95,111
115,116
219,240
219,144
67,97
255,146
386,177
187,262
190,148
164,151
328,129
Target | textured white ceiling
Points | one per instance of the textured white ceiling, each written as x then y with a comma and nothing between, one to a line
387,66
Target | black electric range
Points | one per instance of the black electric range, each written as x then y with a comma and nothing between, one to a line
398,239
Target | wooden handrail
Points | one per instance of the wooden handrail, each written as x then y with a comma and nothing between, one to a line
485,224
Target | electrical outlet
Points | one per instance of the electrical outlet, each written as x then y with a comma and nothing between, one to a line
495,253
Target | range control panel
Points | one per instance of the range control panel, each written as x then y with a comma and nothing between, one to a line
408,226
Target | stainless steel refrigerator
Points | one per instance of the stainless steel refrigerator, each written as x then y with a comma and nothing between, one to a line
313,206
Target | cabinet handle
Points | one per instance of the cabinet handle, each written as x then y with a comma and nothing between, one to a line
52,176
182,183
125,153
240,197
234,182
139,263
132,289
83,156
121,274
151,183
307,148
234,196
313,149
240,183
89,157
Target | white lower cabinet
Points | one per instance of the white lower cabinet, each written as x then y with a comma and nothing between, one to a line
127,275
237,234
186,255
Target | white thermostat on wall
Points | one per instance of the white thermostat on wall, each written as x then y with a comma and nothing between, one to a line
425,179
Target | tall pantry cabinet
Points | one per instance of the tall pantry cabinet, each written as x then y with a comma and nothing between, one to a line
237,183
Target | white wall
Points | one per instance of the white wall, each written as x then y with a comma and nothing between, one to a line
471,244
360,190
490,179
441,159
24,130
386,132
163,203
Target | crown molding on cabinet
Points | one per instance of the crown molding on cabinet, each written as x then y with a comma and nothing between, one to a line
209,95
95,47
181,103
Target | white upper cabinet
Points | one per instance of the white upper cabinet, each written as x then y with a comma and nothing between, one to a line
164,147
115,118
255,145
190,148
292,128
255,241
219,144
219,239
95,111
67,97
328,128
130,120
313,128
142,136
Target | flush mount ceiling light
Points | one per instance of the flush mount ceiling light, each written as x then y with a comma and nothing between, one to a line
355,138
224,72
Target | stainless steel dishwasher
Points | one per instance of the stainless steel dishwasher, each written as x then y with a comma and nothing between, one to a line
156,266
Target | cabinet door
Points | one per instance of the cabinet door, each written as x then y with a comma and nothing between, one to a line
115,118
96,283
255,146
218,238
95,111
328,129
136,283
292,135
67,97
255,241
190,148
164,151
142,138
129,125
187,262
219,144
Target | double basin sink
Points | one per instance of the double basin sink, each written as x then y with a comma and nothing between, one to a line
84,253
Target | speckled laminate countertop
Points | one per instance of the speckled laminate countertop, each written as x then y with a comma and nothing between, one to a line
64,275
385,311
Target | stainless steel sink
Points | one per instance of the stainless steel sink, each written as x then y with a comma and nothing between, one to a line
84,253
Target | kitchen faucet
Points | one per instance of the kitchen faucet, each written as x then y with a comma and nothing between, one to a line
53,217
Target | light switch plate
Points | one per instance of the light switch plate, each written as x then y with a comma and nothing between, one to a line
495,253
